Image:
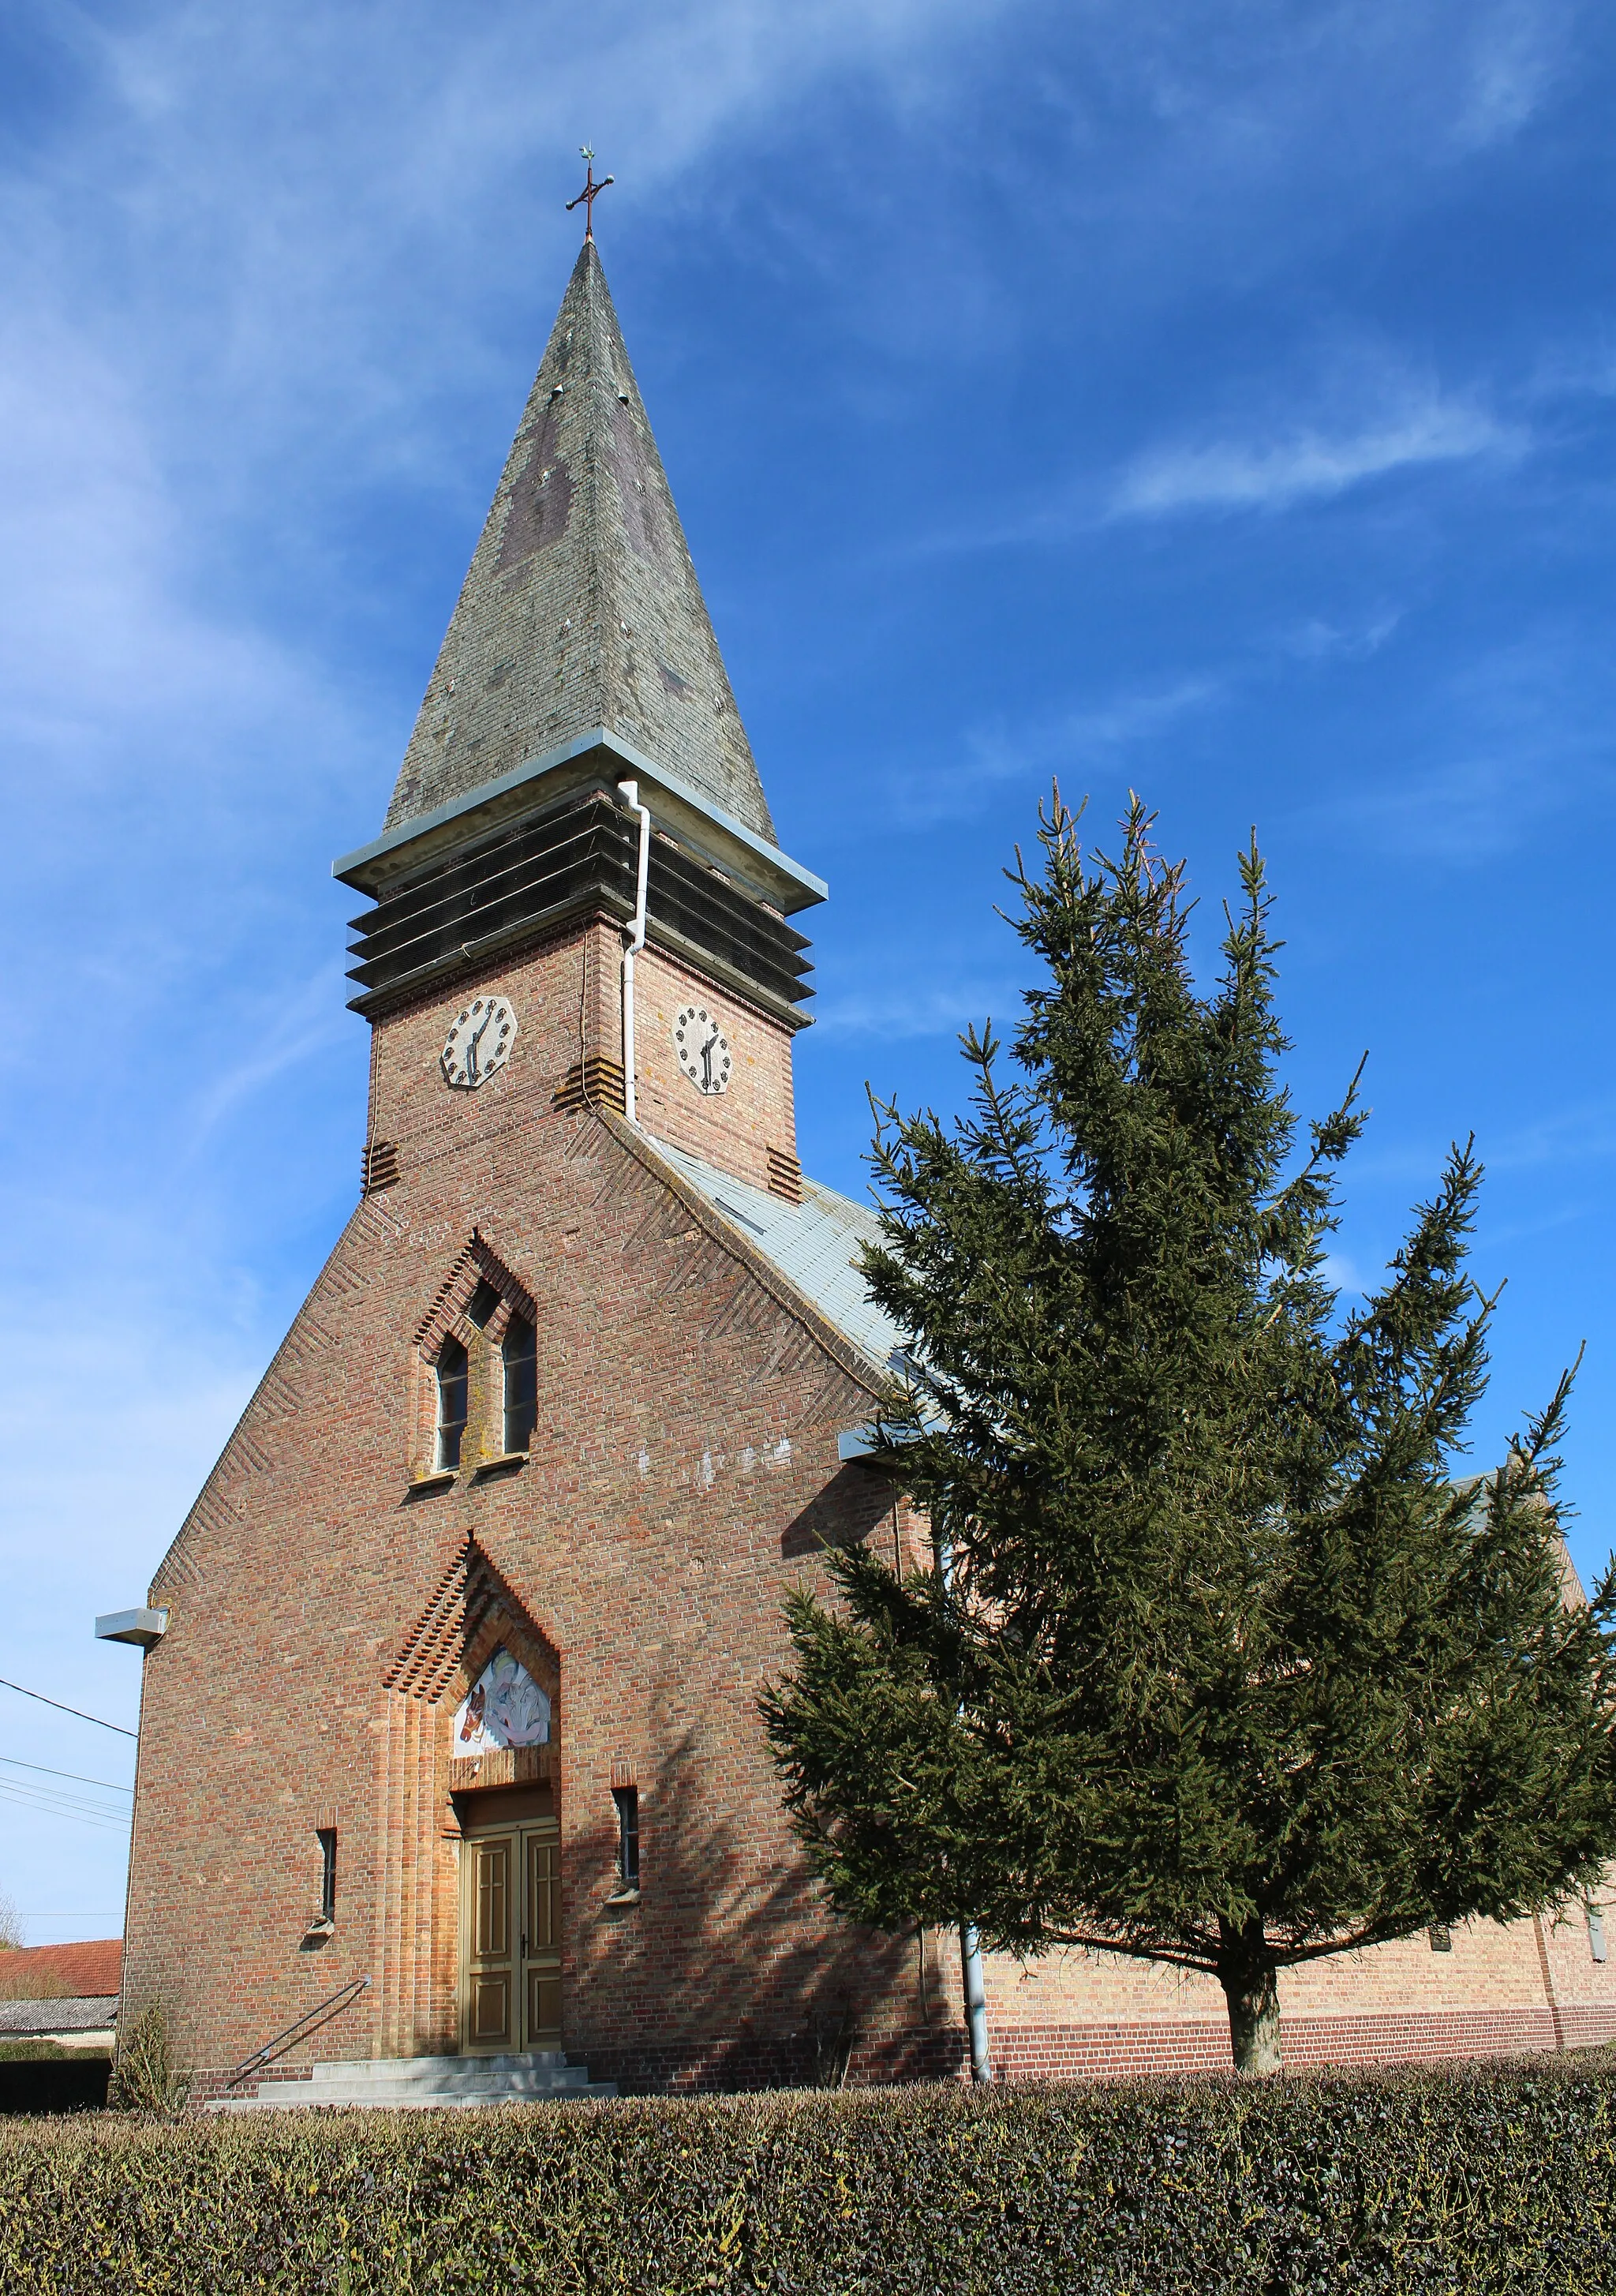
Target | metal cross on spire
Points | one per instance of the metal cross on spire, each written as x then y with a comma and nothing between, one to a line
592,190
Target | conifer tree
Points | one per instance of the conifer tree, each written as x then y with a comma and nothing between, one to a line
1222,1663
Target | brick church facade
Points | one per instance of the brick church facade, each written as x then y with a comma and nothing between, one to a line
451,1671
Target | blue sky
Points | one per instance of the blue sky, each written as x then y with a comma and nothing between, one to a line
1213,401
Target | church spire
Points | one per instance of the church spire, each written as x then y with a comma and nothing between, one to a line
581,612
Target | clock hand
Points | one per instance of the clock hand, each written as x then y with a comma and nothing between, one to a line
706,1062
476,1039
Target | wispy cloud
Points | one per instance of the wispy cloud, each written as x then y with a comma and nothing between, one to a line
110,1418
1565,1139
1516,53
1319,640
285,1033
933,1010
1509,743
1092,739
98,625
1343,1272
1309,464
1092,734
1583,1134
1469,810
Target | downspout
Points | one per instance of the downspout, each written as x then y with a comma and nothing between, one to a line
1548,1981
976,2002
970,1945
630,793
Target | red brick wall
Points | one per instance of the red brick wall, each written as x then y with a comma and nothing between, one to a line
1122,2048
568,999
734,1130
1499,1989
684,1473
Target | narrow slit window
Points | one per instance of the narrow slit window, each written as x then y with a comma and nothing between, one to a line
451,1392
326,1836
1442,1938
522,1357
627,1798
1596,1920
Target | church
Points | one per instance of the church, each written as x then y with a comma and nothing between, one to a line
452,1783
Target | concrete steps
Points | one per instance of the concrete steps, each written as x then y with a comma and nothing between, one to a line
427,2083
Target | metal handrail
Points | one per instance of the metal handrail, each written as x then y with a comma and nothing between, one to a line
300,2028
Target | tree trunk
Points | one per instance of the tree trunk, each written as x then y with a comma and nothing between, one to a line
1251,1986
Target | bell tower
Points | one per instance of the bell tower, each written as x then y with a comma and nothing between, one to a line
578,834
461,1639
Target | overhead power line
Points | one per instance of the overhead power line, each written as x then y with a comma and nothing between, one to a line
76,1710
81,1813
58,1797
12,1762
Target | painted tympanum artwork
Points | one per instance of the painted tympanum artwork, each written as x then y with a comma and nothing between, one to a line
505,1707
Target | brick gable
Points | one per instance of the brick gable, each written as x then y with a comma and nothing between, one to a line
325,1612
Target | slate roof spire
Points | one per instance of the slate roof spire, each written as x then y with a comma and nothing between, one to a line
581,609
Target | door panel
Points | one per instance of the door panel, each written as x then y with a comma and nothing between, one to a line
491,1891
490,1963
510,1933
490,2010
542,1938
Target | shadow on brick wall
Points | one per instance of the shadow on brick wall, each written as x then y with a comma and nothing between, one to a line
853,1507
726,1977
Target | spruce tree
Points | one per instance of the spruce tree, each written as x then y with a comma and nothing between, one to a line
1222,1662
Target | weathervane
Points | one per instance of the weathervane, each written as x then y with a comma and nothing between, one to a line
592,190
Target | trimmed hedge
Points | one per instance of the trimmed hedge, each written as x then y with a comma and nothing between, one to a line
1475,2180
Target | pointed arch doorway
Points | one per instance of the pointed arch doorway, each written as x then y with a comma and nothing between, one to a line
492,1681
510,1865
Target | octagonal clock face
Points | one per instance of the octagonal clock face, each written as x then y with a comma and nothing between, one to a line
703,1049
478,1043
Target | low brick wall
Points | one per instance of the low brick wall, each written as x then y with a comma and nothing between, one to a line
1099,2051
1199,2044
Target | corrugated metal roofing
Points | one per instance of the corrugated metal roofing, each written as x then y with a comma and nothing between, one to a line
814,1244
81,2014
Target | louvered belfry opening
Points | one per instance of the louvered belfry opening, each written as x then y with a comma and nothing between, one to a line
574,857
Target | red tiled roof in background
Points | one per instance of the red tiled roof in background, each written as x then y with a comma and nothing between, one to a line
83,1970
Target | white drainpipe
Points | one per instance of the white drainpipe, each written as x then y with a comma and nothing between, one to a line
976,2002
970,1945
636,941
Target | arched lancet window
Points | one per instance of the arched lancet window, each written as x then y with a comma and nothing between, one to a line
520,1355
451,1394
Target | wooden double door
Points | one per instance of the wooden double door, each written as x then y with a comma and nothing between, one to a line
511,1938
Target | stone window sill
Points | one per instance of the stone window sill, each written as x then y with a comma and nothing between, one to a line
504,1464
438,1480
619,1897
